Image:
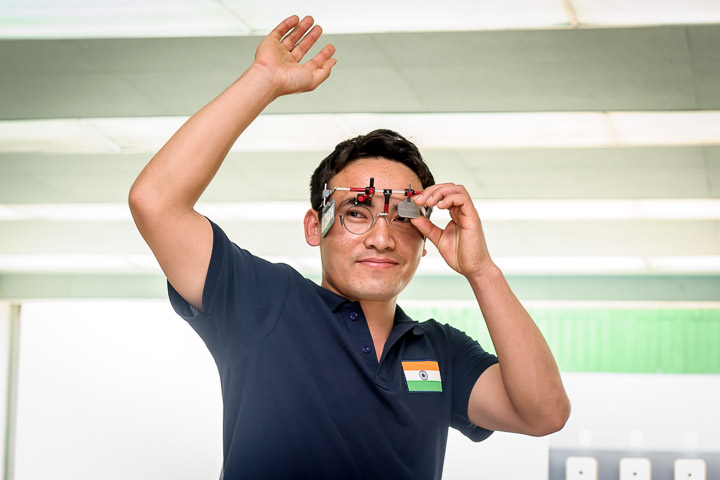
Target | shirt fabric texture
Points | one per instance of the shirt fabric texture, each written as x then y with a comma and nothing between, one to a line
303,393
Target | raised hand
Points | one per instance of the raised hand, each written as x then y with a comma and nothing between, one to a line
462,242
279,55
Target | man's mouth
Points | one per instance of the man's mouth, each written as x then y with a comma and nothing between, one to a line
377,262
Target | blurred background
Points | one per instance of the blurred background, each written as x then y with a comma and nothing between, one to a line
587,131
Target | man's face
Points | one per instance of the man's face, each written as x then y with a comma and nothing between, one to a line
379,264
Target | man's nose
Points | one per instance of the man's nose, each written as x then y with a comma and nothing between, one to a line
380,235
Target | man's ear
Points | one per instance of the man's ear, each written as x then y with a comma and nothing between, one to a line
312,228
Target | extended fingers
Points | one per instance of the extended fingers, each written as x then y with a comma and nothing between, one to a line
323,60
300,49
284,27
444,196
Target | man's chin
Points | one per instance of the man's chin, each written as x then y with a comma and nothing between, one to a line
377,292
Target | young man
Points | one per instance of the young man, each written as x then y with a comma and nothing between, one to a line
335,381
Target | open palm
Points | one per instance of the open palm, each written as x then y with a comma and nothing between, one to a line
282,50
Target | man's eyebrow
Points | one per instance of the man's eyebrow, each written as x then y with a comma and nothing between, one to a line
348,200
376,198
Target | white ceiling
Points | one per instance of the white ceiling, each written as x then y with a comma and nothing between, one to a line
187,18
588,132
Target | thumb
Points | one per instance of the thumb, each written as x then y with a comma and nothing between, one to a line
428,229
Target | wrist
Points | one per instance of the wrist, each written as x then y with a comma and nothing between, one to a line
264,81
487,273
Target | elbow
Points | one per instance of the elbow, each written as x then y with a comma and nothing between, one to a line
553,420
138,203
136,197
142,201
143,208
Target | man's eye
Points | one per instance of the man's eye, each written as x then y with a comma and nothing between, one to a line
402,219
355,214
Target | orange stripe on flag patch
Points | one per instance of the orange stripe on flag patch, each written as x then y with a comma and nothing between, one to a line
422,365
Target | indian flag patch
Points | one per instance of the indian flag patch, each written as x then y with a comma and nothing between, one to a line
422,376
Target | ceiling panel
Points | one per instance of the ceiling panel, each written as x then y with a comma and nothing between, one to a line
286,238
613,173
594,70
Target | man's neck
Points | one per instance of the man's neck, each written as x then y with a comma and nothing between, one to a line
380,316
379,313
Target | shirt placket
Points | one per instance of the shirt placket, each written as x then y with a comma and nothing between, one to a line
360,335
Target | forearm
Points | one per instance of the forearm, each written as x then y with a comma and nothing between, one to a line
529,371
179,173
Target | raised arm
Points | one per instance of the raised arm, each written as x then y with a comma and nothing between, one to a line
523,393
163,197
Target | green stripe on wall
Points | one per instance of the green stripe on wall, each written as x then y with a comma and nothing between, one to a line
612,340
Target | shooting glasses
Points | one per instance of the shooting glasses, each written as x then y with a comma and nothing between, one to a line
357,216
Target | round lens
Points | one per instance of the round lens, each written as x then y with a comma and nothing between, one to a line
357,219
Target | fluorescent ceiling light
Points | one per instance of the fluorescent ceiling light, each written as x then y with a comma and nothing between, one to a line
187,18
319,132
118,18
666,128
646,12
426,15
135,133
580,265
137,18
632,209
65,212
567,304
490,210
52,135
685,264
491,130
255,211
75,263
430,265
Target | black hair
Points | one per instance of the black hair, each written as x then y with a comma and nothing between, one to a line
378,143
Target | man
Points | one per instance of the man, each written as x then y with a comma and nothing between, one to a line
335,381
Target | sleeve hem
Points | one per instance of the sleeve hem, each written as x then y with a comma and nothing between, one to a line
462,422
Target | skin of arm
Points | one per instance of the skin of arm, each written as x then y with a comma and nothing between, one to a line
163,196
523,393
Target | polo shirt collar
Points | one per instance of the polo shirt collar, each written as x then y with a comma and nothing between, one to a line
331,299
401,319
335,301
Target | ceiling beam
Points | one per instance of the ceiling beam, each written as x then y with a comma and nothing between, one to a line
573,173
607,288
652,68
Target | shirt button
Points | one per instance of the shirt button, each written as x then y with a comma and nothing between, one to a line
365,349
353,316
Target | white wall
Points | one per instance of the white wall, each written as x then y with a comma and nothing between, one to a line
502,456
633,411
4,339
115,390
609,412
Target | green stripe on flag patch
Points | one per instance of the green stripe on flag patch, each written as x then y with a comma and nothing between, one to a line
424,386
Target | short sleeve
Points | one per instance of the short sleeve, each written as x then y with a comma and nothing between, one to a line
470,360
242,296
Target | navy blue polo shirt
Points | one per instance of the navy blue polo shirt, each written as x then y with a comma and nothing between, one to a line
303,392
